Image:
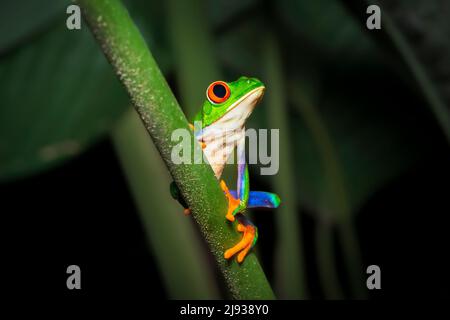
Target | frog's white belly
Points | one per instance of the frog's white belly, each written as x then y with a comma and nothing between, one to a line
219,150
222,136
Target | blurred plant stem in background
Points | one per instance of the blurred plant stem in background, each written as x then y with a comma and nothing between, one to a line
193,52
342,217
289,265
435,101
326,259
194,58
182,262
129,56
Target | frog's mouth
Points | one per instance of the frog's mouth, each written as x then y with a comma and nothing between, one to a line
234,117
236,114
249,100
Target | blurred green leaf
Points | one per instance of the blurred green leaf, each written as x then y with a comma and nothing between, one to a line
21,19
58,92
222,11
237,48
327,26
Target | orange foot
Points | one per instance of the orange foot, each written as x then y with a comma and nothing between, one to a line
246,243
233,203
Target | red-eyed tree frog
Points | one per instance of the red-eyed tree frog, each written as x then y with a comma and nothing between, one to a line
226,108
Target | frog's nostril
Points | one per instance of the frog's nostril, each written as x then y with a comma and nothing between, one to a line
249,80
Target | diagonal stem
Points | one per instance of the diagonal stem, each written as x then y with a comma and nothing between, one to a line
133,63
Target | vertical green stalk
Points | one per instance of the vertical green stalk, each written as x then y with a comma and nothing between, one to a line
132,61
192,47
326,260
352,257
436,102
333,172
289,268
170,234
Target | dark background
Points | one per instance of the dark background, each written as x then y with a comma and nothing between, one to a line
81,213
77,208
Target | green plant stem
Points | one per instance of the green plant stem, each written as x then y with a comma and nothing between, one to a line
326,260
168,231
192,47
132,61
290,270
435,100
345,229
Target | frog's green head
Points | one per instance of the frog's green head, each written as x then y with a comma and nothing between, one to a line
238,97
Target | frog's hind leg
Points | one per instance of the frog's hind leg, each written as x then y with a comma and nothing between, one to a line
261,199
176,194
247,242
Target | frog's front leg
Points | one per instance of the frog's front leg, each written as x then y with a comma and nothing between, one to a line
237,205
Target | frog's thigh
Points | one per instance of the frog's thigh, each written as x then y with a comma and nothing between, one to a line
260,199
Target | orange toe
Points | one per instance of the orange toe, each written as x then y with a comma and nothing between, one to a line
243,246
241,256
232,251
233,203
228,254
230,217
224,187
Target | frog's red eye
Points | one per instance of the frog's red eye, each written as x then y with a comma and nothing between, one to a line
218,92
